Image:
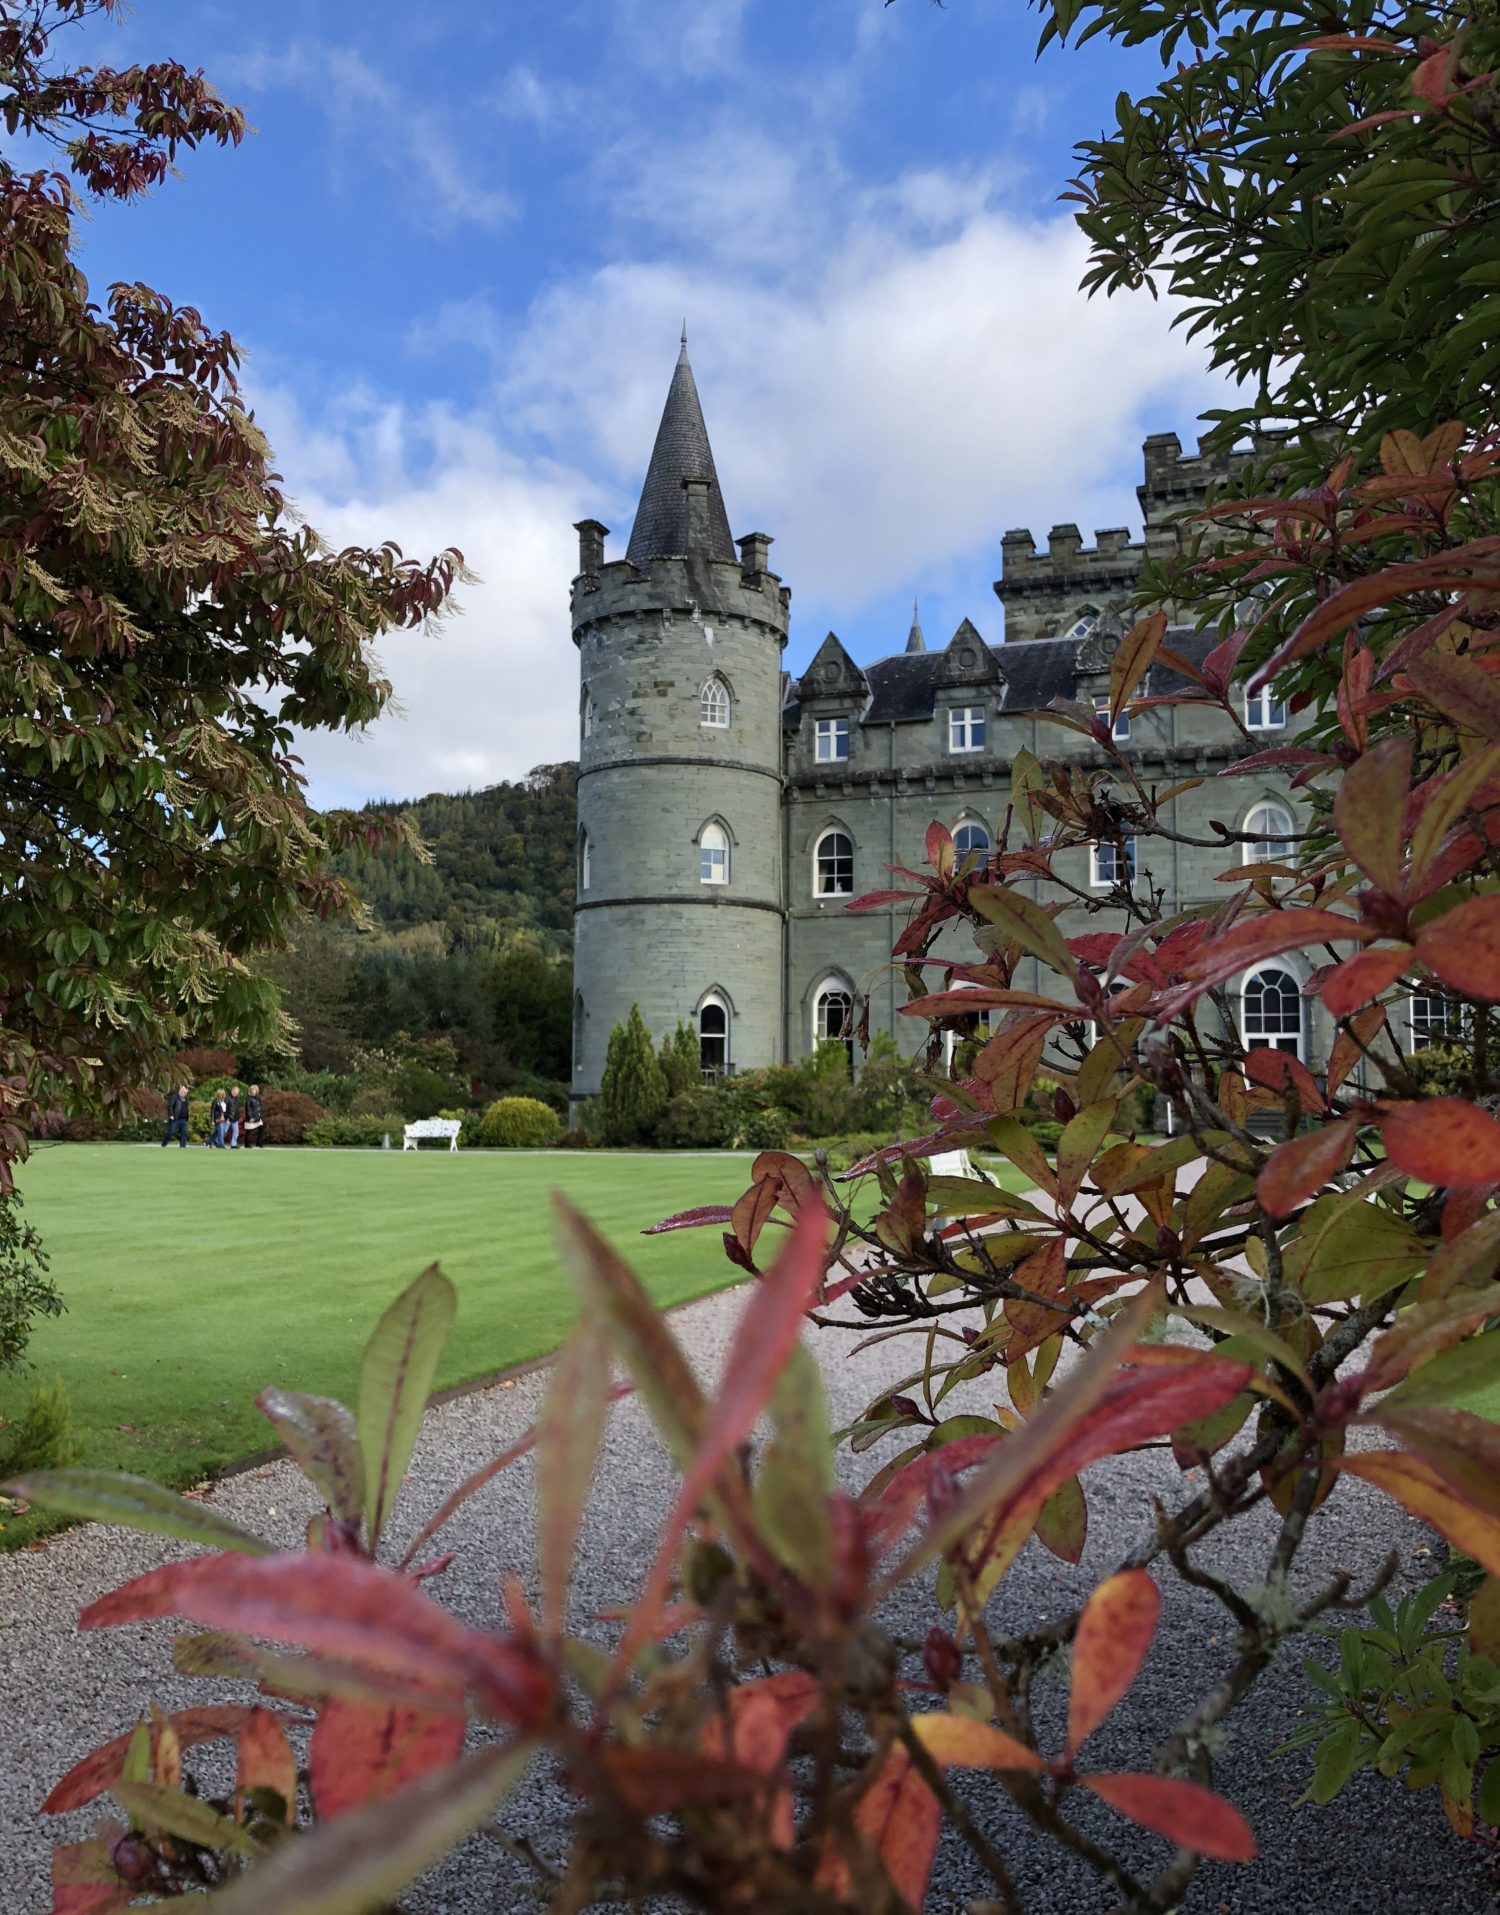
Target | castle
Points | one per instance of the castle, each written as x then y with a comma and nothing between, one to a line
727,814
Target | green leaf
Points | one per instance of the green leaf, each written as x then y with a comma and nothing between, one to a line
159,1810
131,1502
1456,1378
1029,923
1338,1758
362,1860
1363,1251
1487,1802
395,1378
796,1474
321,1439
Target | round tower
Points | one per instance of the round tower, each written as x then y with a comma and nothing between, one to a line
680,904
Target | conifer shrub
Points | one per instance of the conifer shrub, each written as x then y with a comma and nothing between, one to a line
634,1089
519,1123
681,1060
41,1437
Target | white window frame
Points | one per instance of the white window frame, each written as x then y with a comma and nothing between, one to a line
1264,711
833,831
714,700
585,861
963,722
831,741
972,824
1120,731
714,1002
1103,880
1262,812
1449,1032
1262,1040
713,854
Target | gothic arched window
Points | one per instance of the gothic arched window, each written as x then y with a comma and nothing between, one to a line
971,837
1271,830
588,714
713,704
833,1016
1271,1010
833,865
713,1036
585,861
713,855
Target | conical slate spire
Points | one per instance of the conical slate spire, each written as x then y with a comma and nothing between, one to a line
681,452
915,642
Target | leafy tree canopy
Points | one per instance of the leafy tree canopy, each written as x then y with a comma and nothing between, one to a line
164,622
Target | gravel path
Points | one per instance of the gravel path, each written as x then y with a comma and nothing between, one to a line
1376,1851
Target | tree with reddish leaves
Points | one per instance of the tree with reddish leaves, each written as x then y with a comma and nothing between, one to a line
165,623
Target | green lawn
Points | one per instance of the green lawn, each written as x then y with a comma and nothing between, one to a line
195,1277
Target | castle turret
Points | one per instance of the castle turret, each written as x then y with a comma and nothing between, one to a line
680,896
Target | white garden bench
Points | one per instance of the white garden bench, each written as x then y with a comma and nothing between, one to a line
448,1127
952,1163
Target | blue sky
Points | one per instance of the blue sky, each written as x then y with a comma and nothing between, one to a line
460,243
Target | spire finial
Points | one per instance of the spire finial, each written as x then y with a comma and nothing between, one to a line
915,641
684,335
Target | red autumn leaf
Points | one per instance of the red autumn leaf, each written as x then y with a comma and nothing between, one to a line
751,1213
875,900
1474,564
1276,1069
1462,947
762,1716
340,1606
691,1219
1361,978
901,1817
1368,809
1443,1140
1299,1168
1350,1046
763,1343
1460,689
1268,935
362,1751
940,849
1008,1063
266,1760
1416,1484
94,1774
1132,660
1114,1634
1193,1817
85,1880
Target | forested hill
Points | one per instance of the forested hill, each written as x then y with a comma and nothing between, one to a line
503,862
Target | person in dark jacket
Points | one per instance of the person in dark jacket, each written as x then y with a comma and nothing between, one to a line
216,1117
253,1129
177,1117
232,1117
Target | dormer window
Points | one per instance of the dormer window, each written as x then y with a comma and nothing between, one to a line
966,728
832,741
1083,624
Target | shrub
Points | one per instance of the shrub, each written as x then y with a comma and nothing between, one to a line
205,1067
26,1291
519,1123
633,1090
366,1132
289,1114
421,1091
41,1437
768,1129
694,1120
681,1060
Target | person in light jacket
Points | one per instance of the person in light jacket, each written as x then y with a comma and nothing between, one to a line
253,1129
177,1117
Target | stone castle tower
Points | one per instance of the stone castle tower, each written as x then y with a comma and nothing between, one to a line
680,900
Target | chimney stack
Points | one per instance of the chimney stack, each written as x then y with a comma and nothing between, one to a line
755,551
591,537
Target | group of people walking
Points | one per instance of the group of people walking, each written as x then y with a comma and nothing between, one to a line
232,1125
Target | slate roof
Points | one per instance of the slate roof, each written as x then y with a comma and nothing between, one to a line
1036,671
681,452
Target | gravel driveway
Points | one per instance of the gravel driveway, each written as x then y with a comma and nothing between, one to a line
1376,1851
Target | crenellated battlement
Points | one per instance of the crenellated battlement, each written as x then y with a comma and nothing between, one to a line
1045,592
